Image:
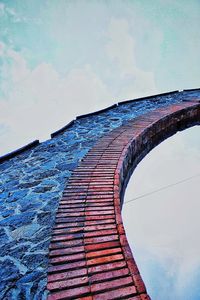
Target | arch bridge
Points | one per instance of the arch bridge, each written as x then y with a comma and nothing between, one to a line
89,255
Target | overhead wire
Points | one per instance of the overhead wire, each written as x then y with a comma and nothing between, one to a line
162,188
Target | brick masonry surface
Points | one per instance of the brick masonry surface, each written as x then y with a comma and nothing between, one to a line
89,256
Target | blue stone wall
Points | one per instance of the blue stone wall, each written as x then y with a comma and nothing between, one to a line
31,185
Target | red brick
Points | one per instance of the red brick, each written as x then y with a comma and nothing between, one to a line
115,283
70,210
120,229
100,239
99,197
68,230
117,294
69,219
85,298
100,233
98,222
68,274
69,283
69,294
139,283
144,297
96,213
100,246
58,245
71,214
65,267
106,267
72,206
67,258
72,225
104,259
66,251
99,217
96,208
103,252
98,193
66,237
109,275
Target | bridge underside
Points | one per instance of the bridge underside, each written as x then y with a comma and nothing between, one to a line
89,256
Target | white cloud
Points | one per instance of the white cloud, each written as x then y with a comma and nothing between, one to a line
2,48
43,94
121,51
18,70
40,101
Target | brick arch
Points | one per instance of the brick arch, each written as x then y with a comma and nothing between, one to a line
89,255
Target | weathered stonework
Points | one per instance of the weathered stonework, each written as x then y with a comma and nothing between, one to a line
32,184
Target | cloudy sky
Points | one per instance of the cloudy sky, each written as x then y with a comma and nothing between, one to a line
163,228
62,58
59,59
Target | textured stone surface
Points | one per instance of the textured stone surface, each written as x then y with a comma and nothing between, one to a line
31,185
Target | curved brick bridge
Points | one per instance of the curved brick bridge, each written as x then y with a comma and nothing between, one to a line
89,255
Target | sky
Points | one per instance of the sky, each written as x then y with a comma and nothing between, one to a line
163,228
59,59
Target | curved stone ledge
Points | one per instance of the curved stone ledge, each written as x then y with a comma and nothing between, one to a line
192,90
16,152
55,133
19,151
152,97
89,255
96,112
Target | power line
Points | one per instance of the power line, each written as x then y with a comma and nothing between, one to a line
162,188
